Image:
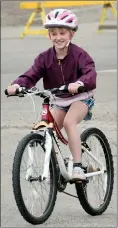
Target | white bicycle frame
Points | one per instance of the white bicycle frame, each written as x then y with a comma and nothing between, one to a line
66,172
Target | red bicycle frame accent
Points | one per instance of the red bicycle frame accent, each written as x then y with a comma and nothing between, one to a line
47,116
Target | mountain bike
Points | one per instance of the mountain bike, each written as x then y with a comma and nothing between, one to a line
40,168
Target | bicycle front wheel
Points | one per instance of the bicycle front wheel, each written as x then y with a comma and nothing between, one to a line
95,196
34,197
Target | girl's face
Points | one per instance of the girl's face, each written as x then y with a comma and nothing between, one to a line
60,37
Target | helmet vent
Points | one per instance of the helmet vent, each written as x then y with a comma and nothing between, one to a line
64,17
56,14
49,17
70,21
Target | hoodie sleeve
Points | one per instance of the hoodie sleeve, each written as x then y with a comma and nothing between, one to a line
87,67
33,74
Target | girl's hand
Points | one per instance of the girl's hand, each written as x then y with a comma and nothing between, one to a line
73,87
12,89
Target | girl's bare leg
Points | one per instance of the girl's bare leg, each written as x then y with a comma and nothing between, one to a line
59,116
75,115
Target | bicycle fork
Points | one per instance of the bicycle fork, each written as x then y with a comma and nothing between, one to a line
48,149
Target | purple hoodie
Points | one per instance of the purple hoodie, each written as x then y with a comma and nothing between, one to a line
76,65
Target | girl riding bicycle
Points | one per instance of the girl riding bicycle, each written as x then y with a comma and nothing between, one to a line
64,63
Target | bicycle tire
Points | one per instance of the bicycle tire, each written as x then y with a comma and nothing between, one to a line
16,182
81,193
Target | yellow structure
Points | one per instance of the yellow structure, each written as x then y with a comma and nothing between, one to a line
107,4
39,9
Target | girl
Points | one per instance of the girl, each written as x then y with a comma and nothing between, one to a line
64,63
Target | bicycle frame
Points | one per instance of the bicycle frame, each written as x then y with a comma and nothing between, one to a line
52,131
47,116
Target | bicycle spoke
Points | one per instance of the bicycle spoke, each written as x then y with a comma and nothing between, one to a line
34,198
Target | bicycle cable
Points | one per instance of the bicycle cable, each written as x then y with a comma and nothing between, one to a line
70,194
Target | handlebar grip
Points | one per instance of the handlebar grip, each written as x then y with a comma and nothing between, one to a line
16,93
81,89
6,92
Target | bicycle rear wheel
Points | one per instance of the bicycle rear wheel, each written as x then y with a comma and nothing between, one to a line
35,199
95,196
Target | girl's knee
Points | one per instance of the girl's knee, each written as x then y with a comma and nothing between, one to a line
68,124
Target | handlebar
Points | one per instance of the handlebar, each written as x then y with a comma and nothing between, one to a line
22,91
64,89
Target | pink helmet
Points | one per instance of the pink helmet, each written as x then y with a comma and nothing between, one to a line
61,18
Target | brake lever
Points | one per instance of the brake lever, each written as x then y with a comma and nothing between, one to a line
64,88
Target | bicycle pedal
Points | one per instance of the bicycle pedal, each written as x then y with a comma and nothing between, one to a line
72,181
82,181
79,181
